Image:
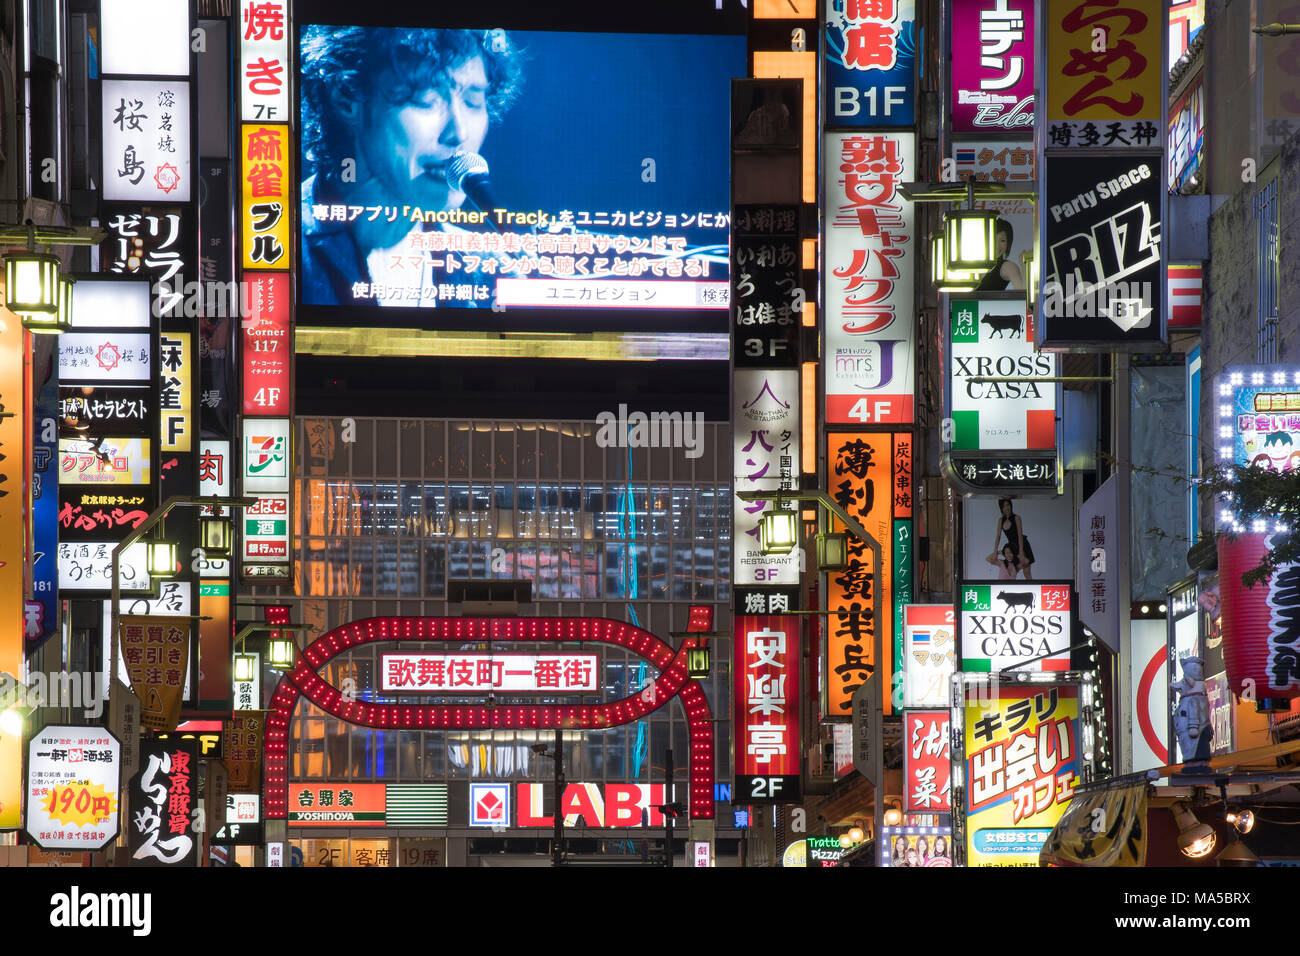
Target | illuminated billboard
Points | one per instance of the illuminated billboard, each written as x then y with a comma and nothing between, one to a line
1022,761
457,169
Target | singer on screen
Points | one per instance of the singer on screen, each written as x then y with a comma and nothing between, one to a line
385,114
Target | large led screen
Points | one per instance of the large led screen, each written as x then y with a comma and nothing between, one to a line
503,170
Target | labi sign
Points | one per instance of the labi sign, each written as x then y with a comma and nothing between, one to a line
1019,624
1101,221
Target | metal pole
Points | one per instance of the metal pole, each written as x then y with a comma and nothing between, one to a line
670,813
557,856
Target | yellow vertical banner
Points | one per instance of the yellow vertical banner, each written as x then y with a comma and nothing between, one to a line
265,212
176,390
13,547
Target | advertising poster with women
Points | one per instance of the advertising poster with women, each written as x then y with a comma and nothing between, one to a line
1027,539
915,846
1022,764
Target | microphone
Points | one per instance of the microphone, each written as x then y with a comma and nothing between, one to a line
468,173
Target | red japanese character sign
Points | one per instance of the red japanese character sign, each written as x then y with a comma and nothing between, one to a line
264,60
927,762
870,241
767,705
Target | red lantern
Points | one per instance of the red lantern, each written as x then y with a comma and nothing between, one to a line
1261,625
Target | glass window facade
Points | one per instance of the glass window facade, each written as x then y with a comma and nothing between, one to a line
385,521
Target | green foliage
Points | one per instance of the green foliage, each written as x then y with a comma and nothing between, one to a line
1260,493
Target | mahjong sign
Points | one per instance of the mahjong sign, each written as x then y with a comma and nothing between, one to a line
1002,393
1017,625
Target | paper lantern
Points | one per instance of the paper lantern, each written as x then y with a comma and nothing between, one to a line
1261,625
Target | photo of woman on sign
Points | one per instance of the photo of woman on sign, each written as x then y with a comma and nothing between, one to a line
1020,555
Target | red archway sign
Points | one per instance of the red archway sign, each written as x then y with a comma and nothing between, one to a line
673,681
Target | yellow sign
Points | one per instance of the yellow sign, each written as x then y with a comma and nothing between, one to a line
104,461
267,193
176,391
80,805
1022,763
1104,64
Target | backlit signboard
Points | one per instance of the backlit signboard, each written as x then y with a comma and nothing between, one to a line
1020,624
367,805
264,61
767,702
915,846
993,339
103,356
146,130
871,63
929,655
480,673
73,788
1102,240
267,457
766,435
1022,761
267,195
1259,416
870,257
992,66
268,358
865,479
1110,99
163,797
927,763
614,201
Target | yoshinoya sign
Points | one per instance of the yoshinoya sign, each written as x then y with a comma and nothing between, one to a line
1103,266
1020,624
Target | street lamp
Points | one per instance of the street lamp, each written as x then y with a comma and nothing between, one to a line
162,559
135,537
557,852
245,668
214,535
34,290
778,531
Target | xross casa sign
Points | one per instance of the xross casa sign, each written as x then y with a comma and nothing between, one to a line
591,805
1012,623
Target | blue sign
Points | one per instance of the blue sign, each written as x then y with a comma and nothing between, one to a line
41,614
870,63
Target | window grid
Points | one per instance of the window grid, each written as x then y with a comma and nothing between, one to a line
533,500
